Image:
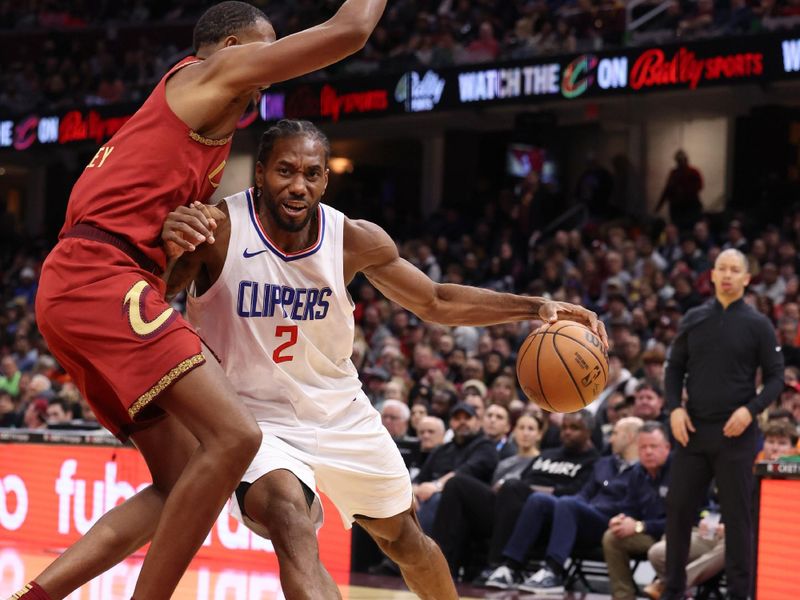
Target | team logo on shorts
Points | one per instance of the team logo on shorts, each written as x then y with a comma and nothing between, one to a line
135,303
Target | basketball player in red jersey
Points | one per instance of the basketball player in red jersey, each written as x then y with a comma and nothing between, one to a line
100,302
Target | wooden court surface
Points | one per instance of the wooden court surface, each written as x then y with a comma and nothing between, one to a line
208,581
204,581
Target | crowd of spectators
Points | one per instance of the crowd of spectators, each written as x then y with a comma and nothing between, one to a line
60,54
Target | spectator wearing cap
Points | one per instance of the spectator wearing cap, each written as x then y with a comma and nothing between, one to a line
469,453
9,380
374,379
467,505
474,386
496,427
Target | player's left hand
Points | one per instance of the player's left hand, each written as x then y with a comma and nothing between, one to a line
551,311
738,422
187,226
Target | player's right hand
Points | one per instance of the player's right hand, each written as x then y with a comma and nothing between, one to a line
188,226
681,424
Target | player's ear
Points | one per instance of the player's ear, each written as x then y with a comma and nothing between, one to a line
231,40
259,174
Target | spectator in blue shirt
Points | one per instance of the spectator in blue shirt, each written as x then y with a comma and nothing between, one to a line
575,520
643,516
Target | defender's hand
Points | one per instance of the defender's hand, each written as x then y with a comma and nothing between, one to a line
551,311
188,226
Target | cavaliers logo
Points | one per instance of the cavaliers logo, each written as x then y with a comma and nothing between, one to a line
215,177
135,303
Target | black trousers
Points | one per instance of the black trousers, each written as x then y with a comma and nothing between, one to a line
464,517
507,508
709,455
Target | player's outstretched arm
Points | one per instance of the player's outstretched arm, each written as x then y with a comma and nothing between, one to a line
251,66
370,250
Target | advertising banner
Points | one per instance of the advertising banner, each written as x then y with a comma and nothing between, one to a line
50,494
686,66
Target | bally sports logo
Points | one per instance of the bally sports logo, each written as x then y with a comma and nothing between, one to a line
653,68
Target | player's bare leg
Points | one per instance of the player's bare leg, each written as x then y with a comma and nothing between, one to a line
276,502
421,562
123,530
206,404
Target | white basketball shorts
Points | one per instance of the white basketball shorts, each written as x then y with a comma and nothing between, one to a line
354,462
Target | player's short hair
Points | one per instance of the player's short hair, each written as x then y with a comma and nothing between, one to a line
224,19
286,128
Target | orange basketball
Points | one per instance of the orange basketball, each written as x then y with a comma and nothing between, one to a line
562,367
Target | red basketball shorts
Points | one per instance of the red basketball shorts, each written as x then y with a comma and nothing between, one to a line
106,321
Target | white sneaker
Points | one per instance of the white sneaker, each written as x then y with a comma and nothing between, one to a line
503,578
544,581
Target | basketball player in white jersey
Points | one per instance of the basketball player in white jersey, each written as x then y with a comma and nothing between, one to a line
269,296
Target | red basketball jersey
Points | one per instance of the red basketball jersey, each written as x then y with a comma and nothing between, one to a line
152,165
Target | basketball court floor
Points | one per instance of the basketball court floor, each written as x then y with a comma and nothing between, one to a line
209,581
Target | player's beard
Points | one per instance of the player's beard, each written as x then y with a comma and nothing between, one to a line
273,207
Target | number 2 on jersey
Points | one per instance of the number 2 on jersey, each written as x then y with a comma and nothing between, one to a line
281,331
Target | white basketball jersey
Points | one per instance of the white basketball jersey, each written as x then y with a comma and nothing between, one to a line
282,324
